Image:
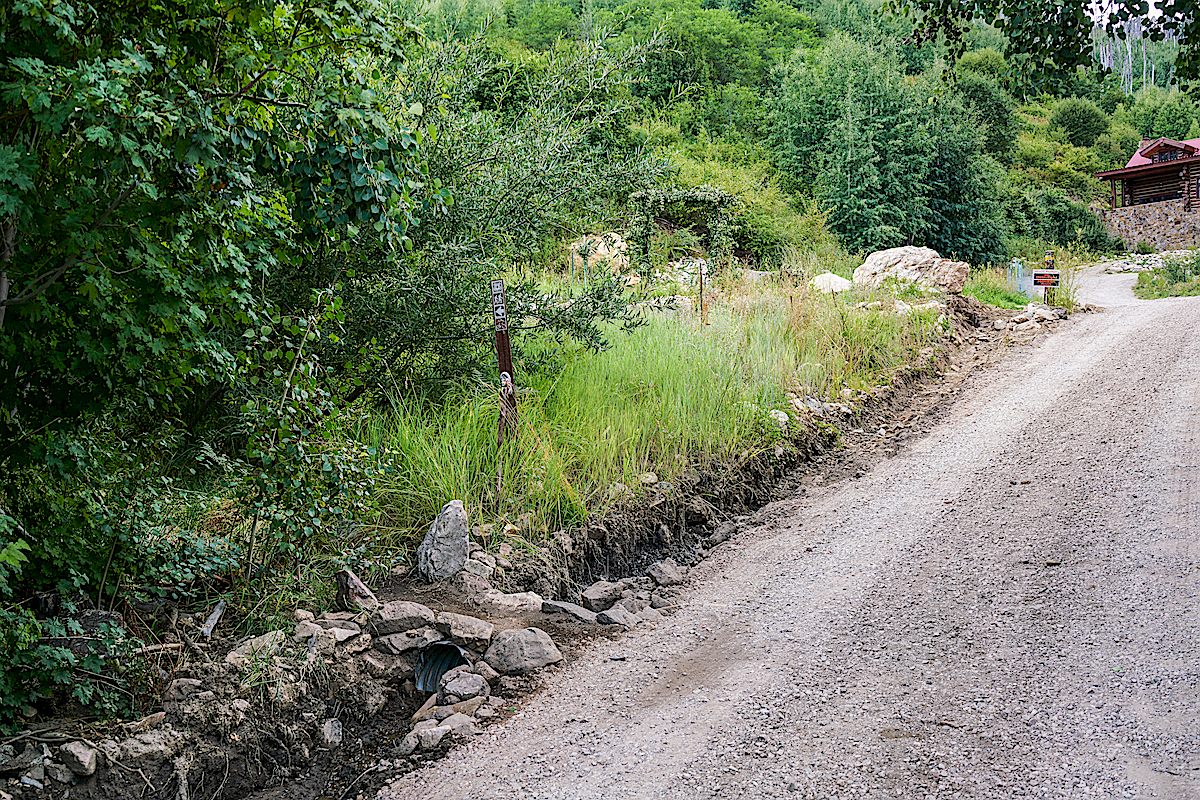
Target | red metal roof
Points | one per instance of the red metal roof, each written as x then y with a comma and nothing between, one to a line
1139,160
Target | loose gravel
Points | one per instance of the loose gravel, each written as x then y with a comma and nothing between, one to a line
1009,607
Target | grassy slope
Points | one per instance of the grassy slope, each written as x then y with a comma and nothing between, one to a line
670,396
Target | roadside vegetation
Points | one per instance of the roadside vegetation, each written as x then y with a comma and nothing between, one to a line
1179,276
246,332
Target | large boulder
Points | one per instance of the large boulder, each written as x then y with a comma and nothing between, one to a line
600,250
516,652
445,548
919,265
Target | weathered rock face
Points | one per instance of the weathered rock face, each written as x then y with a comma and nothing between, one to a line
919,265
829,283
445,548
516,652
600,250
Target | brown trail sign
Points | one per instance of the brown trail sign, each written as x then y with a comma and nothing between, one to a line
508,393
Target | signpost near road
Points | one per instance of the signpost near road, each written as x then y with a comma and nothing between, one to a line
508,393
1048,279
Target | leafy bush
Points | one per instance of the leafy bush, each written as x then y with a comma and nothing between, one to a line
1081,121
993,110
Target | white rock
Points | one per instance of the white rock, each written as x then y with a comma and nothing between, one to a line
829,283
331,733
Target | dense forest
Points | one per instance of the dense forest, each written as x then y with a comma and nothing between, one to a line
245,332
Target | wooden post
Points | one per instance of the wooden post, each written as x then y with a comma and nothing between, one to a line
1048,292
508,394
1112,185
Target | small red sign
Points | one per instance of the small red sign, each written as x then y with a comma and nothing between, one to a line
1049,278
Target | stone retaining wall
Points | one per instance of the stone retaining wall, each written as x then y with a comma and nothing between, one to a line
1165,225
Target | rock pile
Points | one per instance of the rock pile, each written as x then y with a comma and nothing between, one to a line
1136,262
1032,319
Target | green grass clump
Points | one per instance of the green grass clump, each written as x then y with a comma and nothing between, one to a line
1178,277
670,396
991,286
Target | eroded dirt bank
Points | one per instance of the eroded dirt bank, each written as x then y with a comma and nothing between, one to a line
1008,607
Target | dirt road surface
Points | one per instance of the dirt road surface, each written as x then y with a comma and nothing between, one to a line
1007,608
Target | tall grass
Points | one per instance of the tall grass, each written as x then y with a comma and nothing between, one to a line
670,396
991,286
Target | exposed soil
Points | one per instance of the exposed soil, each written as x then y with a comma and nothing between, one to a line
1003,604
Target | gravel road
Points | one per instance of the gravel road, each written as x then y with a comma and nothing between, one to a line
1008,607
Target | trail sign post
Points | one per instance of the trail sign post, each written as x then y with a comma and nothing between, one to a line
1048,278
508,394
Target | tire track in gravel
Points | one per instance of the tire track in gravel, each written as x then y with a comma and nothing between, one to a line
1006,608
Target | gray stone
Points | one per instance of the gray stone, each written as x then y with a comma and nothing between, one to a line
663,598
485,670
467,631
570,609
80,758
306,629
601,595
460,725
444,550
331,733
515,652
461,684
468,707
476,567
429,738
409,744
618,615
515,603
59,773
649,615
400,643
399,616
334,624
258,648
181,689
666,573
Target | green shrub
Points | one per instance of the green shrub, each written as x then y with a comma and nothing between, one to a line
1081,121
1144,248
